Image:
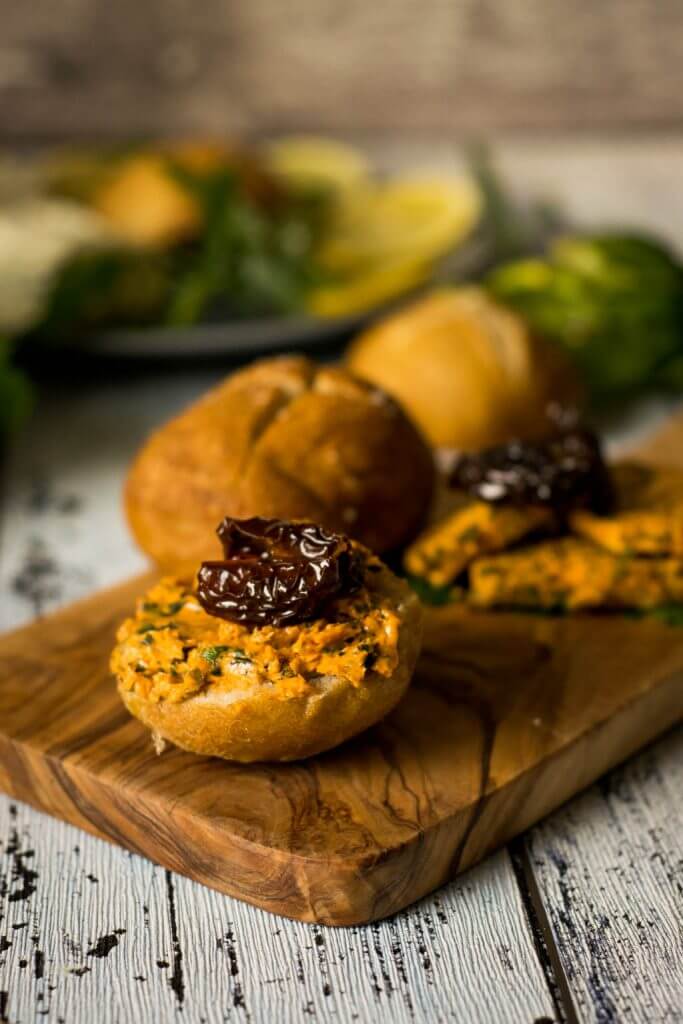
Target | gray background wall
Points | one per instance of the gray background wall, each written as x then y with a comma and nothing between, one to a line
111,68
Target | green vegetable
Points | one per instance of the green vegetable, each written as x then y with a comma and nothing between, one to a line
105,287
16,395
250,258
613,301
429,594
670,614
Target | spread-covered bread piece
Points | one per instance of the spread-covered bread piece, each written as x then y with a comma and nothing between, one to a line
548,525
473,529
648,514
569,574
506,493
295,641
282,438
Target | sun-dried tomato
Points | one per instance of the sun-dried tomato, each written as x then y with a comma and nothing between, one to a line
277,573
562,472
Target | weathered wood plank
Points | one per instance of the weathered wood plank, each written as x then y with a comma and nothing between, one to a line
609,874
80,924
62,532
475,66
89,933
463,954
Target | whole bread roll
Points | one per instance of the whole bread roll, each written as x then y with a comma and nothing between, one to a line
465,368
282,438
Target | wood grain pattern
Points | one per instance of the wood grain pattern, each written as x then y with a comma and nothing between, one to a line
475,66
508,717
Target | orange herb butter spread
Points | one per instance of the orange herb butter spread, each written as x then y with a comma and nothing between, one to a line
571,573
475,528
171,649
649,513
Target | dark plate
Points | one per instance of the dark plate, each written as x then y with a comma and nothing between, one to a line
267,334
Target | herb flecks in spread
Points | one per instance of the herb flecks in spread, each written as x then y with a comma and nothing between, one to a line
275,572
570,573
475,528
173,657
648,515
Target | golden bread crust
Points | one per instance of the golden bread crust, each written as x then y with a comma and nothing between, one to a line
282,438
242,715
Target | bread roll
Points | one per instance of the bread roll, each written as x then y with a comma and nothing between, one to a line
465,368
267,693
283,438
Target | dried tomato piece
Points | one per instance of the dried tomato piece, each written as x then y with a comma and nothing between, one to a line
562,472
277,573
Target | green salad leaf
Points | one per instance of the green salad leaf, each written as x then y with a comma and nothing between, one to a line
100,287
251,258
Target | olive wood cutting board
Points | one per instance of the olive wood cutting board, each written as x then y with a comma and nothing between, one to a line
508,716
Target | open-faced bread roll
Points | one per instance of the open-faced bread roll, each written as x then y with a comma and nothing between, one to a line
282,438
269,692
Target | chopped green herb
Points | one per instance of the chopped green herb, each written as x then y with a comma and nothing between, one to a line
212,654
197,675
471,535
239,655
146,627
335,648
428,593
150,606
148,640
173,608
670,614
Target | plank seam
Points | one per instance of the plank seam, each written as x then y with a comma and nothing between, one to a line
177,980
539,925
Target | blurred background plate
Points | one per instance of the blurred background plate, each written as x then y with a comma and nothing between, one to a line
254,336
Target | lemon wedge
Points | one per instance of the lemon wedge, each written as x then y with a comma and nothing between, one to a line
372,288
423,217
384,238
304,161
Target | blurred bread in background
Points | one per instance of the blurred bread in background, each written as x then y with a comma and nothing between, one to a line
465,368
139,194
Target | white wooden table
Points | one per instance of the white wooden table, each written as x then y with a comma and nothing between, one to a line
581,919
